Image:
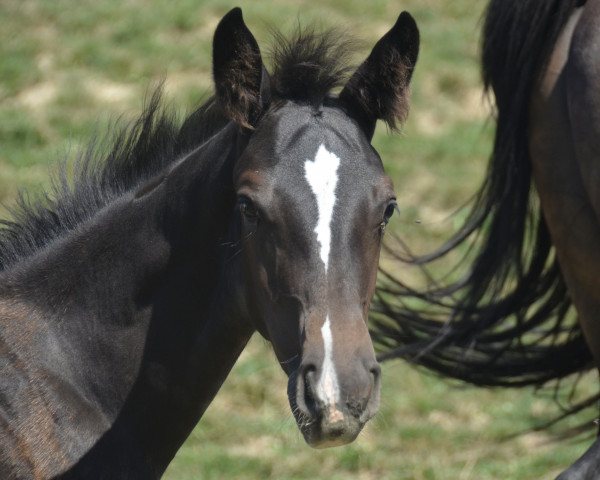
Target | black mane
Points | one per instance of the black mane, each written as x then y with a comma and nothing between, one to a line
305,68
108,167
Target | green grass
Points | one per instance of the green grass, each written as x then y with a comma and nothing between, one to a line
426,429
69,68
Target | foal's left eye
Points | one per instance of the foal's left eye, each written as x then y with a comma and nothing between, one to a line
389,211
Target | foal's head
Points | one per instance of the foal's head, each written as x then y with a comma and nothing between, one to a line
313,201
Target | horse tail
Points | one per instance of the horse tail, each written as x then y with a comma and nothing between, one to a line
507,320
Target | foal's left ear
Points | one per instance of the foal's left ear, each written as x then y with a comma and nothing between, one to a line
379,88
241,80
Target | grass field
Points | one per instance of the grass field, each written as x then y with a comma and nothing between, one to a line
69,68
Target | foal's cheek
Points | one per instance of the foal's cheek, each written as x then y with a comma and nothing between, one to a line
367,263
252,292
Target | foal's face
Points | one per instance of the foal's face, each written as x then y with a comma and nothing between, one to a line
313,202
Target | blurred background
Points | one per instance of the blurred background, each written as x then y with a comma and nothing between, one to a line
68,69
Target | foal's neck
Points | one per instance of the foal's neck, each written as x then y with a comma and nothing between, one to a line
133,305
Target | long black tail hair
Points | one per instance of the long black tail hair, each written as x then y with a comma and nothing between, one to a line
508,319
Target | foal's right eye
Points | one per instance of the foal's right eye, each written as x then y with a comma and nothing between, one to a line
248,210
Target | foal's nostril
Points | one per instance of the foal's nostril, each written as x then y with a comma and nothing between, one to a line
305,394
371,404
375,374
309,382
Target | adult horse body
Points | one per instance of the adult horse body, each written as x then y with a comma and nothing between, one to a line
510,320
564,143
126,298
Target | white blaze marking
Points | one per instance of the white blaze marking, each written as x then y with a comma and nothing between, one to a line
321,175
328,388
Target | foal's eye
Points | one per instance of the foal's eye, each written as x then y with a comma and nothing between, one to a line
389,211
248,210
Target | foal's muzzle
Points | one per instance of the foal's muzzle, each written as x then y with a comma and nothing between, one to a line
332,413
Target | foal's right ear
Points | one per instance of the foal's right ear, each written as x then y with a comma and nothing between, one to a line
379,88
241,80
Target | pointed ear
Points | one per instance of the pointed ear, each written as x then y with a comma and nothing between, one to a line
241,80
379,88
